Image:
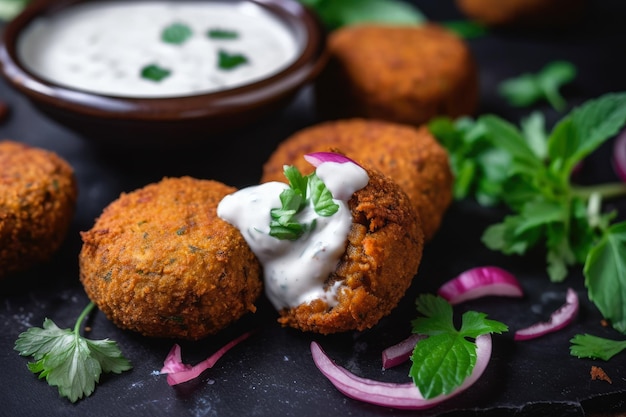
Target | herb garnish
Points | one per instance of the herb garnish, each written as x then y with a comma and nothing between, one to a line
594,347
67,360
176,33
228,61
337,13
443,360
11,8
303,190
529,88
548,209
222,34
154,72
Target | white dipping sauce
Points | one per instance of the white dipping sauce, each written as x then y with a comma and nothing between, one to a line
295,271
101,47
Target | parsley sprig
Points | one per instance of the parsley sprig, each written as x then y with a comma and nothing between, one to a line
302,191
533,177
443,360
594,347
67,360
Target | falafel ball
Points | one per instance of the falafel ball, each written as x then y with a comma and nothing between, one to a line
405,74
159,261
522,13
383,253
411,156
38,194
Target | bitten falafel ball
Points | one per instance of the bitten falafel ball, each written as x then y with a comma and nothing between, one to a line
160,262
410,156
382,256
38,194
406,74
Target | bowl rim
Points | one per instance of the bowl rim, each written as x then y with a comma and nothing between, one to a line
229,102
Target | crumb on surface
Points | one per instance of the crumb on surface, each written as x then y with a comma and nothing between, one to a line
598,373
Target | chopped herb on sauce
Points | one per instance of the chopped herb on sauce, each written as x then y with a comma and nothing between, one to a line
228,61
222,34
176,33
154,73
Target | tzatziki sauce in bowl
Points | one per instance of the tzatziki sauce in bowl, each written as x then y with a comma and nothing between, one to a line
149,71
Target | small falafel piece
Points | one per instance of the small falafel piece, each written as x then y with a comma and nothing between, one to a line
38,193
159,261
411,156
522,13
382,257
406,74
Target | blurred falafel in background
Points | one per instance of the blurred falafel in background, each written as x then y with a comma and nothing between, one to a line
159,261
522,13
403,73
38,193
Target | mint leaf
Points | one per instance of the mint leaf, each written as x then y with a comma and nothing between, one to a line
67,360
528,88
154,72
222,34
176,33
594,347
228,61
337,13
443,360
605,275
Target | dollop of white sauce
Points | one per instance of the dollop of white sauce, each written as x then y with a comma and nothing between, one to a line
102,47
295,270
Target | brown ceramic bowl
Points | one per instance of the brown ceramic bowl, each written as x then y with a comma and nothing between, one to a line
118,120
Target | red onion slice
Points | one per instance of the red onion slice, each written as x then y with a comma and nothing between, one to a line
563,316
619,156
479,282
400,352
178,372
318,158
401,396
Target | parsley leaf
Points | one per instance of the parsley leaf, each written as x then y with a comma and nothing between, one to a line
176,33
594,347
67,360
443,360
228,61
528,88
466,29
154,72
222,34
337,13
303,190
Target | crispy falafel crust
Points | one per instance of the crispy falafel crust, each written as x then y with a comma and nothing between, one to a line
405,74
382,256
522,13
410,156
38,194
160,261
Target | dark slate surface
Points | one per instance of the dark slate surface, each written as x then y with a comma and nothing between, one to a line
272,374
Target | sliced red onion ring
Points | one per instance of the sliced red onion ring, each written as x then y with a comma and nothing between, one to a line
401,396
178,372
400,352
563,316
318,158
619,155
479,282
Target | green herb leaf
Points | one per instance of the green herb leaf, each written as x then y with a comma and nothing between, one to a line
176,33
11,8
605,275
447,357
337,13
321,197
527,89
222,34
228,61
594,347
154,72
67,360
466,29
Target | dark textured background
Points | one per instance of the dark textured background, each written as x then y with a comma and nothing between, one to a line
272,374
